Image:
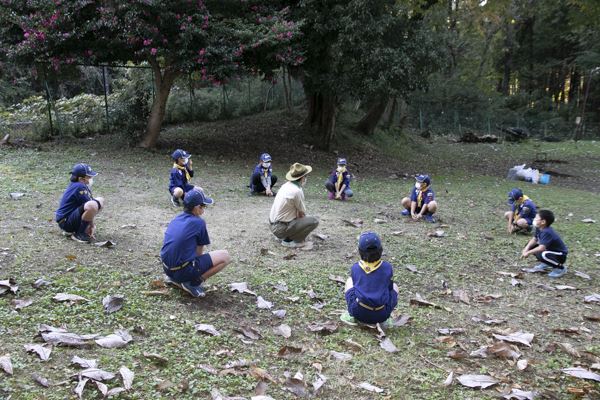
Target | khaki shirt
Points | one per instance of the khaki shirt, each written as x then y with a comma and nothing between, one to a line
288,202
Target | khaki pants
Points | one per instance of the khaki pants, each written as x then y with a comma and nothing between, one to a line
296,230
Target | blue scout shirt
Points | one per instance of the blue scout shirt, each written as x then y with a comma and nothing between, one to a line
373,288
526,210
549,238
184,233
76,195
333,178
427,196
179,179
265,175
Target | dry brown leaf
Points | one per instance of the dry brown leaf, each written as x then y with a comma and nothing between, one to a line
582,373
73,298
340,356
477,381
261,374
283,330
487,298
517,394
287,350
279,313
412,268
570,349
522,365
457,354
338,279
296,385
450,331
207,328
113,303
209,369
488,321
318,383
68,339
449,379
21,303
8,284
127,375
593,298
503,350
462,296
582,275
479,353
388,346
83,362
437,234
357,223
517,337
447,340
43,351
249,332
156,358
370,388
281,286
40,380
241,287
595,317
115,340
6,364
263,304
40,283
96,374
400,321
79,388
321,236
323,327
565,287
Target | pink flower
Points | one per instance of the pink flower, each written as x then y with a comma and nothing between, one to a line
26,35
153,51
189,18
147,42
202,52
289,34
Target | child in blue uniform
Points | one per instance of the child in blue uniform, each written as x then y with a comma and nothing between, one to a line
421,203
181,174
520,218
371,294
338,184
78,207
547,246
184,261
262,179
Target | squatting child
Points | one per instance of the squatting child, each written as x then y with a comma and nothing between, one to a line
421,203
520,218
547,246
181,174
338,183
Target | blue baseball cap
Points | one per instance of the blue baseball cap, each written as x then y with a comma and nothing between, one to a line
265,157
342,161
81,170
195,198
423,179
369,241
514,195
177,154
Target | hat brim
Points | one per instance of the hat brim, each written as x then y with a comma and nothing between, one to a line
289,176
93,173
208,201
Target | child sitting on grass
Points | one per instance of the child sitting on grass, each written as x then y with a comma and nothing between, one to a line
421,203
338,183
371,294
547,246
181,174
520,218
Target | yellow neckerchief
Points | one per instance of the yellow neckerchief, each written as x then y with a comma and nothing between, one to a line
340,177
519,202
187,174
265,170
420,196
369,267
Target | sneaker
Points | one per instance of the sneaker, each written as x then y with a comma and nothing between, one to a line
170,282
429,218
194,291
175,201
541,268
292,244
67,234
81,237
348,319
558,272
405,213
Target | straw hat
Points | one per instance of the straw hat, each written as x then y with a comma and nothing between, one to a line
297,171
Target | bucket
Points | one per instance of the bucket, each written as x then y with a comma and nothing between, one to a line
544,179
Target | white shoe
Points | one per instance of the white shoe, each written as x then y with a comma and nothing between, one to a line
292,244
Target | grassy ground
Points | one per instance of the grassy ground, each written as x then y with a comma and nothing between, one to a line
471,191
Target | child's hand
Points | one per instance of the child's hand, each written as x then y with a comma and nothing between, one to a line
524,254
189,164
338,196
268,192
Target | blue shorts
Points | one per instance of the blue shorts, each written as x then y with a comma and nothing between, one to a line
192,272
72,221
365,315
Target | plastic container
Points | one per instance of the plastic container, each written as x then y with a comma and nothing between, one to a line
544,179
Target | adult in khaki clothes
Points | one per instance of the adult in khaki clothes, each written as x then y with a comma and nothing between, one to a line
288,218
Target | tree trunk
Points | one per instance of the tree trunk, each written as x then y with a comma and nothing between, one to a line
390,113
163,82
369,122
322,113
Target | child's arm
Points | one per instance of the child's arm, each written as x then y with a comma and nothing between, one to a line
530,249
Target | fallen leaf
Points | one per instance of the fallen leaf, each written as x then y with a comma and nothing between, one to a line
340,356
516,282
457,354
450,331
567,331
263,304
296,385
517,337
511,274
545,287
114,391
283,330
461,295
16,195
477,381
588,221
162,292
517,394
388,346
281,286
370,388
97,374
40,380
318,383
279,313
83,362
21,303
118,339
565,287
42,351
167,384
420,301
594,298
489,321
412,268
6,364
113,303
570,349
68,339
73,298
287,350
209,369
40,283
249,332
379,221
102,388
156,358
352,345
487,298
400,321
107,243
479,353
338,279
582,275
449,379
582,373
206,328
128,226
503,350
595,318
261,374
357,223
321,236
397,233
437,234
323,327
241,287
8,284
79,388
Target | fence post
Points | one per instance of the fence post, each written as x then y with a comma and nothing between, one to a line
104,83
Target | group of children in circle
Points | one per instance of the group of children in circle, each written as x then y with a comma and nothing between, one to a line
370,292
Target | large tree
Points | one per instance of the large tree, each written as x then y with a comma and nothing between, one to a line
173,37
